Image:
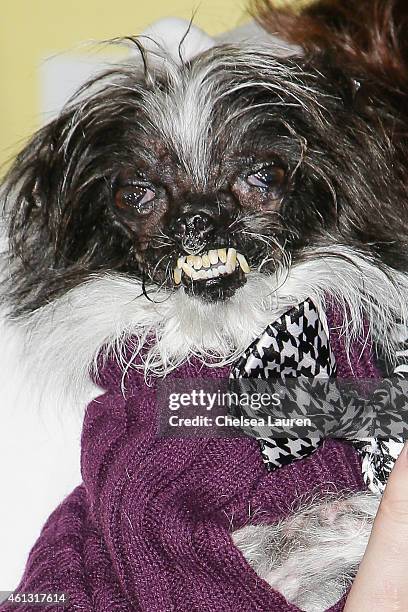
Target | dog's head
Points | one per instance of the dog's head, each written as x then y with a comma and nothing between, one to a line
186,180
192,176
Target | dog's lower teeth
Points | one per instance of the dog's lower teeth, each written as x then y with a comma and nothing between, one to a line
199,275
214,263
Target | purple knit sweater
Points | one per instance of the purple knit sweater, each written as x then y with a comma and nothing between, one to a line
149,528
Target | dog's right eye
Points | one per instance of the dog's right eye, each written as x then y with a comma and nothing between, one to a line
267,177
137,198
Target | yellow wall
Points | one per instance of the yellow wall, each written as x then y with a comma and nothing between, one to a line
31,30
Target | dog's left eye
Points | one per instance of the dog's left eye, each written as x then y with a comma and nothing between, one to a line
135,197
267,177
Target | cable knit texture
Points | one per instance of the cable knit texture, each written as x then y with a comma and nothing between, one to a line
149,528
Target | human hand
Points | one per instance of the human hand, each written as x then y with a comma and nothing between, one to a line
381,584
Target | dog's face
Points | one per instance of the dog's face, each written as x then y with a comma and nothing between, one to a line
192,179
201,218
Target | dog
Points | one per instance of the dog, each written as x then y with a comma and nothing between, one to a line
193,199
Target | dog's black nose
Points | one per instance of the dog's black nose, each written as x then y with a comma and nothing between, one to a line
193,230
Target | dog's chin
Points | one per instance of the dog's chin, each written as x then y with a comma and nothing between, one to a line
216,289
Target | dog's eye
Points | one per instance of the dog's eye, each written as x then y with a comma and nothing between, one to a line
135,197
267,177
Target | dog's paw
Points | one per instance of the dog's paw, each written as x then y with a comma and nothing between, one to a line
312,556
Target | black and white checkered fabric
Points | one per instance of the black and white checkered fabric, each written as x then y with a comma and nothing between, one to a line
378,458
297,346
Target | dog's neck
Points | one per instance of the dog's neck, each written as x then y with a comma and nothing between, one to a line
60,343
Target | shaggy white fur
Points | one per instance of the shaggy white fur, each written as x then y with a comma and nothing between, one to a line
60,342
313,556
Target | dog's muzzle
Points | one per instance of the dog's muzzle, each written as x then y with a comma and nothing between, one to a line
208,264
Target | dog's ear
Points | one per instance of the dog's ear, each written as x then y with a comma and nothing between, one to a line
63,169
33,203
369,33
28,188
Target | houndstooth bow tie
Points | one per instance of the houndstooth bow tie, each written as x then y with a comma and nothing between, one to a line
297,346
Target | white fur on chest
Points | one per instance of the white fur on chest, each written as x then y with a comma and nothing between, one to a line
39,457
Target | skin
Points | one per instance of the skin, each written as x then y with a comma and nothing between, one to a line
381,584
